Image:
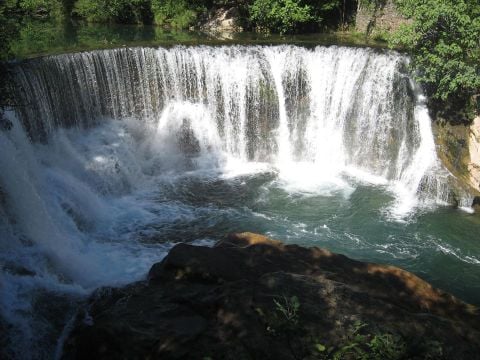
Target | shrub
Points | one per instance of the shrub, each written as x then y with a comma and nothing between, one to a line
119,11
42,8
174,13
443,40
283,16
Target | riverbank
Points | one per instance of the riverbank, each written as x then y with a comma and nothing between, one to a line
51,38
252,297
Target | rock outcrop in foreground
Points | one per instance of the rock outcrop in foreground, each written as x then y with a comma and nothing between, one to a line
250,297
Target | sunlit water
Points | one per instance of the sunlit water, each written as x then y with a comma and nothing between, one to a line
127,152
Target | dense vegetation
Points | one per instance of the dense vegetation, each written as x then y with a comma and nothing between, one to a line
8,32
119,11
443,39
287,16
272,15
442,36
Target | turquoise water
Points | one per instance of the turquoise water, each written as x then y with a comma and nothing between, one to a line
441,245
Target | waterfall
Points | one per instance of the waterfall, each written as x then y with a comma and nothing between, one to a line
80,166
332,109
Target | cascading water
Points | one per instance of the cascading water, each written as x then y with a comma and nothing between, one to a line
335,109
93,185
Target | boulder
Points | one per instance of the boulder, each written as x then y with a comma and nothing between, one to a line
250,297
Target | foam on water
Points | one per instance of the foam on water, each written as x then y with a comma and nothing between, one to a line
309,179
71,217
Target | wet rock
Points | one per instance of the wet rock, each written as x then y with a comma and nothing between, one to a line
18,270
379,18
5,351
230,301
187,141
5,124
476,203
456,149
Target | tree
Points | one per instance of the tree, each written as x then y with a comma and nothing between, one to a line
42,8
9,28
282,16
176,13
443,39
290,16
114,11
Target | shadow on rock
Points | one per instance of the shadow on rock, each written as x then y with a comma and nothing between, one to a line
250,297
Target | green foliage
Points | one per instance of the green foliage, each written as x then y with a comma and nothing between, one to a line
9,27
284,16
35,37
372,5
381,35
358,341
17,16
443,40
284,319
175,13
288,308
293,16
42,8
114,11
361,346
281,16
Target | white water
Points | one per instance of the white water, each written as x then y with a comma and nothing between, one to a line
107,126
329,110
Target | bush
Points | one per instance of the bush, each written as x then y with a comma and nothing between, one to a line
114,11
283,16
9,27
42,8
174,13
443,40
290,16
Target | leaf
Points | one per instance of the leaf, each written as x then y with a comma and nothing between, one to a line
259,312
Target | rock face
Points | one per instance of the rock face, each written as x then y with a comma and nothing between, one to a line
223,20
250,297
474,149
458,146
380,18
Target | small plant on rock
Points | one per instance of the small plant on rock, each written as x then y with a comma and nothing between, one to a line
360,346
288,308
